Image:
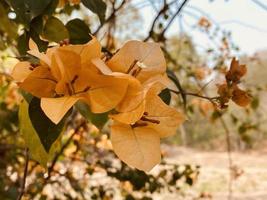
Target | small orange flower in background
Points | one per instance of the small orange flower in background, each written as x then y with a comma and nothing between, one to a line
204,22
127,85
230,89
201,72
12,97
205,107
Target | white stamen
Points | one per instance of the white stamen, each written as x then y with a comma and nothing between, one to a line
141,65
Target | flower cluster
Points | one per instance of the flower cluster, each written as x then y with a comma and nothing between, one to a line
230,89
127,85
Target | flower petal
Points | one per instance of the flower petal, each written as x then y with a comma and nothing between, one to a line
106,93
65,66
149,56
169,118
43,57
101,65
39,83
133,97
32,44
138,147
87,51
56,108
21,71
130,117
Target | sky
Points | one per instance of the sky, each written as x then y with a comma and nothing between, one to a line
246,20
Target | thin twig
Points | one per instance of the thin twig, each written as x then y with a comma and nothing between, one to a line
211,99
162,11
51,167
262,5
173,17
230,161
112,15
22,187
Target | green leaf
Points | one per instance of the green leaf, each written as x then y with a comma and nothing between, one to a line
51,7
96,6
54,30
99,120
36,29
7,25
23,43
165,95
32,139
27,96
26,10
47,131
37,24
42,45
78,31
255,103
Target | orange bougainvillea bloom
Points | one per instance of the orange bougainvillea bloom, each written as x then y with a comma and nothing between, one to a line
142,60
142,118
230,89
65,75
143,64
236,71
241,97
138,144
128,83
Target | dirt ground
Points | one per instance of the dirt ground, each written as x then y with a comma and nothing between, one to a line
213,181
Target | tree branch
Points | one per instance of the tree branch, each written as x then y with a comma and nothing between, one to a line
22,187
112,15
230,161
211,99
173,17
51,167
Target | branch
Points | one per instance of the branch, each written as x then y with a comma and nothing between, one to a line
173,17
211,99
112,15
260,4
163,10
22,187
50,169
230,161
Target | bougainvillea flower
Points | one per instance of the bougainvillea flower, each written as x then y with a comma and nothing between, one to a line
230,89
153,85
142,60
236,71
138,144
241,97
66,75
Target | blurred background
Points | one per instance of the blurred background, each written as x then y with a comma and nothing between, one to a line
214,155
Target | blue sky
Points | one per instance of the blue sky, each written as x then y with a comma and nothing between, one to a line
245,19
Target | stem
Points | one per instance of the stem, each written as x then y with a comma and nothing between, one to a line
112,15
230,161
22,187
211,99
50,169
173,17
